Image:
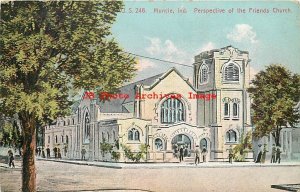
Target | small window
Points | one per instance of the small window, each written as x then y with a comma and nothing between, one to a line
231,136
62,139
158,144
133,135
108,137
55,138
235,111
67,139
226,110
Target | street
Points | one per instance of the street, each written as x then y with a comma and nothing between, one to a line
56,176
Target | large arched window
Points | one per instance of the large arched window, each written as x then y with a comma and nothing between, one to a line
86,137
231,136
172,111
203,72
231,72
133,135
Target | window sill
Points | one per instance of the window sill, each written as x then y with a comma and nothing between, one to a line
230,82
230,143
226,118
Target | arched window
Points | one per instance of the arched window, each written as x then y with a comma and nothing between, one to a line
203,74
226,110
86,137
107,137
62,139
73,121
231,72
172,111
133,135
68,121
67,139
231,136
55,138
235,110
158,144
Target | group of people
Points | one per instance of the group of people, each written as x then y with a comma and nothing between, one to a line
197,152
275,154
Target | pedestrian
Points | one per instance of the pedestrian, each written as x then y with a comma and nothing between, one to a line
58,153
197,153
186,152
263,157
11,160
278,158
258,158
230,150
83,151
204,153
181,153
55,152
48,152
39,151
43,153
273,158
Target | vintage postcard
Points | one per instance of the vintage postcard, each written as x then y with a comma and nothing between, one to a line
160,96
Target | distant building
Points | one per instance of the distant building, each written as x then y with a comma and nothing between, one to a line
213,112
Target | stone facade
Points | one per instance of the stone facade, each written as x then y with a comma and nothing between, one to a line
215,120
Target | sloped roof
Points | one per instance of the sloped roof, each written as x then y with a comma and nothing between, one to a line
115,105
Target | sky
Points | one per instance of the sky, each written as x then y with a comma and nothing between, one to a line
271,37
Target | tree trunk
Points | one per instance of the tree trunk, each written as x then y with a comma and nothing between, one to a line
277,136
29,145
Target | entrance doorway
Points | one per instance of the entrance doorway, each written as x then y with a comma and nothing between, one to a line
182,141
203,144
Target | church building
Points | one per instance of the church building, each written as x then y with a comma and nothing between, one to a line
164,112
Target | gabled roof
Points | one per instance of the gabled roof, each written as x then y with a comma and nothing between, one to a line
115,105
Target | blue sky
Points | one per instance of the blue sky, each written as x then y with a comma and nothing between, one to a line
269,37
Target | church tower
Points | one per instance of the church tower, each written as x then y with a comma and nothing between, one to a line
225,73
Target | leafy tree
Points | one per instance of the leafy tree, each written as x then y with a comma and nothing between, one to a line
10,134
48,49
275,92
241,150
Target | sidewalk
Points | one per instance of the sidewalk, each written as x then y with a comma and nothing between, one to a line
171,165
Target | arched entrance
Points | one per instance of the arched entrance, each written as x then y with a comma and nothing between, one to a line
183,141
203,144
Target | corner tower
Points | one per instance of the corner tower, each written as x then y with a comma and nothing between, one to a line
224,72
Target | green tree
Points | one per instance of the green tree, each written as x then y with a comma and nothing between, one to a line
10,134
275,92
46,50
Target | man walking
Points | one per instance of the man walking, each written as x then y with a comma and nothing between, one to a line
197,153
83,151
204,152
11,160
181,153
278,158
48,152
273,158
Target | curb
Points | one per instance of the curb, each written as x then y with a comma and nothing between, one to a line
161,166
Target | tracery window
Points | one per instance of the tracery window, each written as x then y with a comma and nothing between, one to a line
133,135
203,74
172,111
86,137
